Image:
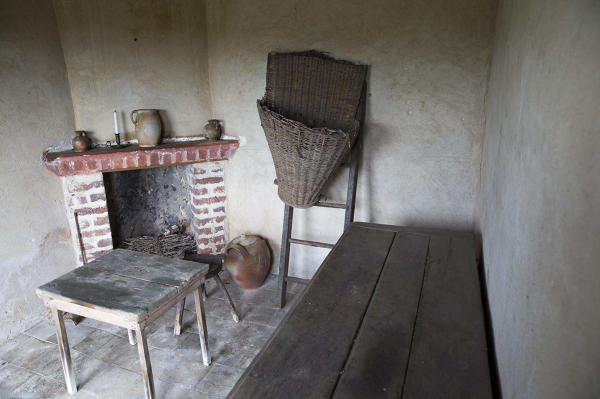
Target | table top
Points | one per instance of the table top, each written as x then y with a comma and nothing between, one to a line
125,283
392,312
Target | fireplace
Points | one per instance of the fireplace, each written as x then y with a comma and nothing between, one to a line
86,180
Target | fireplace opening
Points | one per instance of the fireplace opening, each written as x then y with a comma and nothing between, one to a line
150,209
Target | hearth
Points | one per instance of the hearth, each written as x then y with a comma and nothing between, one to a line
196,202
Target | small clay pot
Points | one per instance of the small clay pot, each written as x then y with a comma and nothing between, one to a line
81,142
212,130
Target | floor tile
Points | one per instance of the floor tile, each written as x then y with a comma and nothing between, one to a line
16,382
218,381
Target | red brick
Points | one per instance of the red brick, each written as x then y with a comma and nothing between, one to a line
219,248
107,242
84,224
154,159
207,180
203,222
203,232
203,241
219,209
205,251
220,238
206,201
192,155
219,228
88,246
199,211
199,171
219,189
92,211
130,161
204,153
201,191
78,166
84,187
95,233
91,164
101,221
178,157
167,159
98,197
220,219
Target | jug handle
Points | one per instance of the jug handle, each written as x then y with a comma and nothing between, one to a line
131,116
243,251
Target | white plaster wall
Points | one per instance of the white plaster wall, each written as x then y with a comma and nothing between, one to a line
35,112
424,126
540,195
127,54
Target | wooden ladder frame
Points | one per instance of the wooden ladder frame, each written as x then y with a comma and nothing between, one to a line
288,216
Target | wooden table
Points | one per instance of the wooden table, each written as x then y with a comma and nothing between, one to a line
393,312
128,289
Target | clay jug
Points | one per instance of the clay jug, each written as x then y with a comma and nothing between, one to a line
81,142
247,259
148,128
212,130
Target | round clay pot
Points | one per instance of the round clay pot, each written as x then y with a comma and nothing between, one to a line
148,127
247,259
212,130
81,142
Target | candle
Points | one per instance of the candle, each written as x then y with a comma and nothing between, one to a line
116,125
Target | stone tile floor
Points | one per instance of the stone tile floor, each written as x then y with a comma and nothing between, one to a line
106,366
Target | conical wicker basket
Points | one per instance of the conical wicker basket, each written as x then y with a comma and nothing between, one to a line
309,116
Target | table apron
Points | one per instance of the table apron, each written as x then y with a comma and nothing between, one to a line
92,313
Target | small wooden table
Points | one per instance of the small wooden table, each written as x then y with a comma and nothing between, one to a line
128,289
393,312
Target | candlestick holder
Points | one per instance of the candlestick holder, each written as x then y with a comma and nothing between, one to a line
118,142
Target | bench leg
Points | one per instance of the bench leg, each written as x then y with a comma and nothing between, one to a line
145,363
202,326
179,317
234,312
65,352
131,337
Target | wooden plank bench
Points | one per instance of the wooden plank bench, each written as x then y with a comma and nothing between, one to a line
128,289
392,312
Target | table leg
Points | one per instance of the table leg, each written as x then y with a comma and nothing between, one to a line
202,326
179,317
131,337
65,352
145,363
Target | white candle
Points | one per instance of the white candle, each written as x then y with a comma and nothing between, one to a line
116,125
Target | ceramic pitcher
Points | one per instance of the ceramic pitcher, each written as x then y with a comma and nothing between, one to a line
148,128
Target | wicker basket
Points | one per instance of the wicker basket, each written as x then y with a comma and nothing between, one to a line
309,116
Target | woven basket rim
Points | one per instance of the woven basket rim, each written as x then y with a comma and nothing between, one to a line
353,124
315,54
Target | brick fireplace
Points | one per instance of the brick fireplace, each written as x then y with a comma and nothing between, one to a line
85,193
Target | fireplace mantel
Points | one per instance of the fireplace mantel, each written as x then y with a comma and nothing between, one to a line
103,159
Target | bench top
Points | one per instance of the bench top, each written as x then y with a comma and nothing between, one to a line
128,284
392,312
